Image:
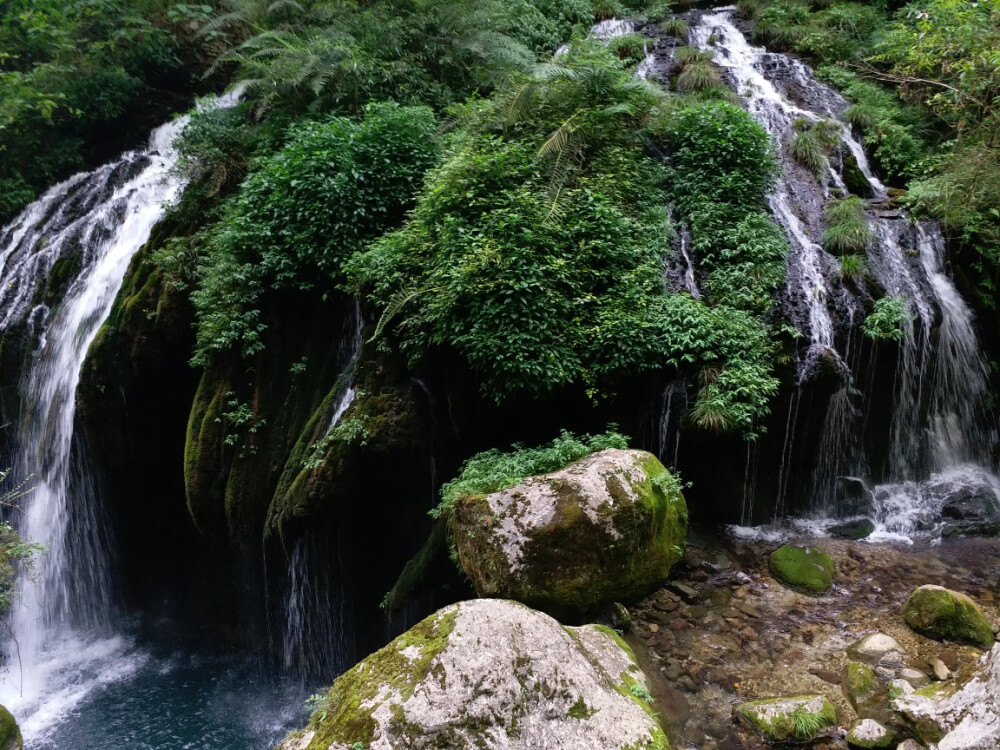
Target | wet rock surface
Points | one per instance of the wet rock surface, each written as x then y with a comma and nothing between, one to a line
737,635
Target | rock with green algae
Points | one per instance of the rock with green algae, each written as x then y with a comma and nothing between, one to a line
946,615
606,528
861,682
10,734
797,719
489,674
805,568
967,718
868,734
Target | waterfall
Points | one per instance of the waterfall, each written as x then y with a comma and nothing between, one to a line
316,624
65,623
938,453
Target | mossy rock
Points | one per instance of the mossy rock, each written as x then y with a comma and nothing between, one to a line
805,568
860,682
945,615
10,734
868,734
606,528
489,674
797,719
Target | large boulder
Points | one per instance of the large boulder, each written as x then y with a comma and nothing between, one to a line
969,719
946,615
606,528
489,674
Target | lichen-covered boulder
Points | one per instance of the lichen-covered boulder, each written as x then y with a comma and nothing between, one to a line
946,615
966,719
797,719
868,734
489,674
806,568
606,528
874,646
10,734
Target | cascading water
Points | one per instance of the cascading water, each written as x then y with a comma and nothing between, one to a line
937,437
70,642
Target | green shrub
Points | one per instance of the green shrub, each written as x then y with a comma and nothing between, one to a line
304,211
853,266
675,27
698,76
605,10
847,230
630,48
887,320
719,153
495,470
806,149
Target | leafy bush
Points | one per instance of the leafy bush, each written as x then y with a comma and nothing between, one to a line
630,48
495,470
303,211
887,320
847,230
719,153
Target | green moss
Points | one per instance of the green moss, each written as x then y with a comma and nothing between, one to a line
861,682
340,717
808,569
788,719
580,710
946,615
10,734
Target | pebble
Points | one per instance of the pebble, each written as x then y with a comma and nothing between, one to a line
941,672
654,628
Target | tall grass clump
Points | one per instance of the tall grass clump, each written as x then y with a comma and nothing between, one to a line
847,230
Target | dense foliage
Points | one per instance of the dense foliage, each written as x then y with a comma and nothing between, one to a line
536,249
302,212
73,73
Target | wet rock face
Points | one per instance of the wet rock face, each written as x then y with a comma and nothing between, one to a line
969,719
945,615
489,674
805,568
606,528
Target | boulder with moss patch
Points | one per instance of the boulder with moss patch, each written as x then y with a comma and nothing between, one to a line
868,734
489,674
605,528
860,682
946,615
798,719
10,734
964,719
805,568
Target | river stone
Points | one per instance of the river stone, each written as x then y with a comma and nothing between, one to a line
968,719
868,733
10,734
606,528
860,682
797,719
945,615
489,674
874,646
860,529
805,568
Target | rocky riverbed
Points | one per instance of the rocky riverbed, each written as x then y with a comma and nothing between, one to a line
724,631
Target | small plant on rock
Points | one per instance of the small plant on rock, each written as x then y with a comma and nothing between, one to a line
847,230
675,27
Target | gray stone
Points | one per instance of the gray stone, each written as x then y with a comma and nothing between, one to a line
941,672
489,674
868,733
968,719
875,646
